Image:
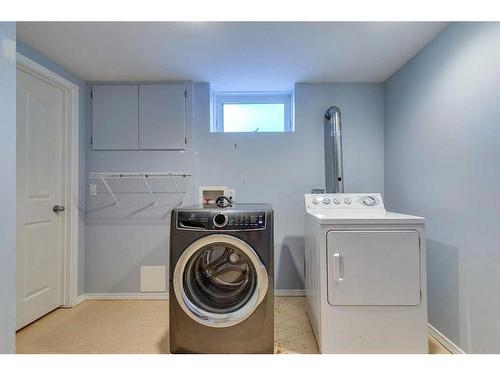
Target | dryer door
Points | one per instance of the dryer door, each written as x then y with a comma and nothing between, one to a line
373,268
219,280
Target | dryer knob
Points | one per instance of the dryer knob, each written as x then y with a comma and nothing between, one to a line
369,201
316,200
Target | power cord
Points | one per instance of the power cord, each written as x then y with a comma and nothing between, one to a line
224,201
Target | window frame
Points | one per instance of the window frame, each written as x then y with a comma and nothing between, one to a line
251,97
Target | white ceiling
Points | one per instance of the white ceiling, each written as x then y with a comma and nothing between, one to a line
231,56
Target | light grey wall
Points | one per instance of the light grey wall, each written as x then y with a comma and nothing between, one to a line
274,168
442,161
42,60
119,242
279,168
7,186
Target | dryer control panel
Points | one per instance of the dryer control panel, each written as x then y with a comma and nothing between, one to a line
345,201
222,220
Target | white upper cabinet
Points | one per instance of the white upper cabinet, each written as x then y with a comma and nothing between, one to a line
115,114
162,111
138,117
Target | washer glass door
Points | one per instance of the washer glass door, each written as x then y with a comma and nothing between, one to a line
219,280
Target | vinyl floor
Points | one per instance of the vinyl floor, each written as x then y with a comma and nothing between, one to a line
141,326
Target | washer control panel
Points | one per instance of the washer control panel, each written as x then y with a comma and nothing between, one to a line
344,201
244,220
221,220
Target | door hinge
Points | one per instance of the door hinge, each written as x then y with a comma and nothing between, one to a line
185,93
91,140
91,94
185,140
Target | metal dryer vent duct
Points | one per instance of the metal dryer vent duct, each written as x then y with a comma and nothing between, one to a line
334,174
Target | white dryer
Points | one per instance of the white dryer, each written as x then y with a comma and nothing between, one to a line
365,276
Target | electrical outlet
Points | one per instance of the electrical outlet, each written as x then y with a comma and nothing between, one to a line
92,189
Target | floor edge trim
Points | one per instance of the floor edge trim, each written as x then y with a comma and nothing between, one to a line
443,340
118,296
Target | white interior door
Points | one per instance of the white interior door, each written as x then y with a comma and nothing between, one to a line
39,189
373,268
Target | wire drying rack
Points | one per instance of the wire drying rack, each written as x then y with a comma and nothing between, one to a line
134,194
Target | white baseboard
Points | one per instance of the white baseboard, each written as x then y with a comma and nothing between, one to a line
117,296
79,300
160,296
445,341
289,292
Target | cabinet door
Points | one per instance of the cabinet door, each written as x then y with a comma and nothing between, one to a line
162,111
115,113
373,268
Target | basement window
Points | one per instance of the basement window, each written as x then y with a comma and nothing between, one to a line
252,112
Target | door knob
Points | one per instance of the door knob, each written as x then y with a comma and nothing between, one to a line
57,208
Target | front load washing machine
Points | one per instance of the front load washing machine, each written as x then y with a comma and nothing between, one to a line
221,279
